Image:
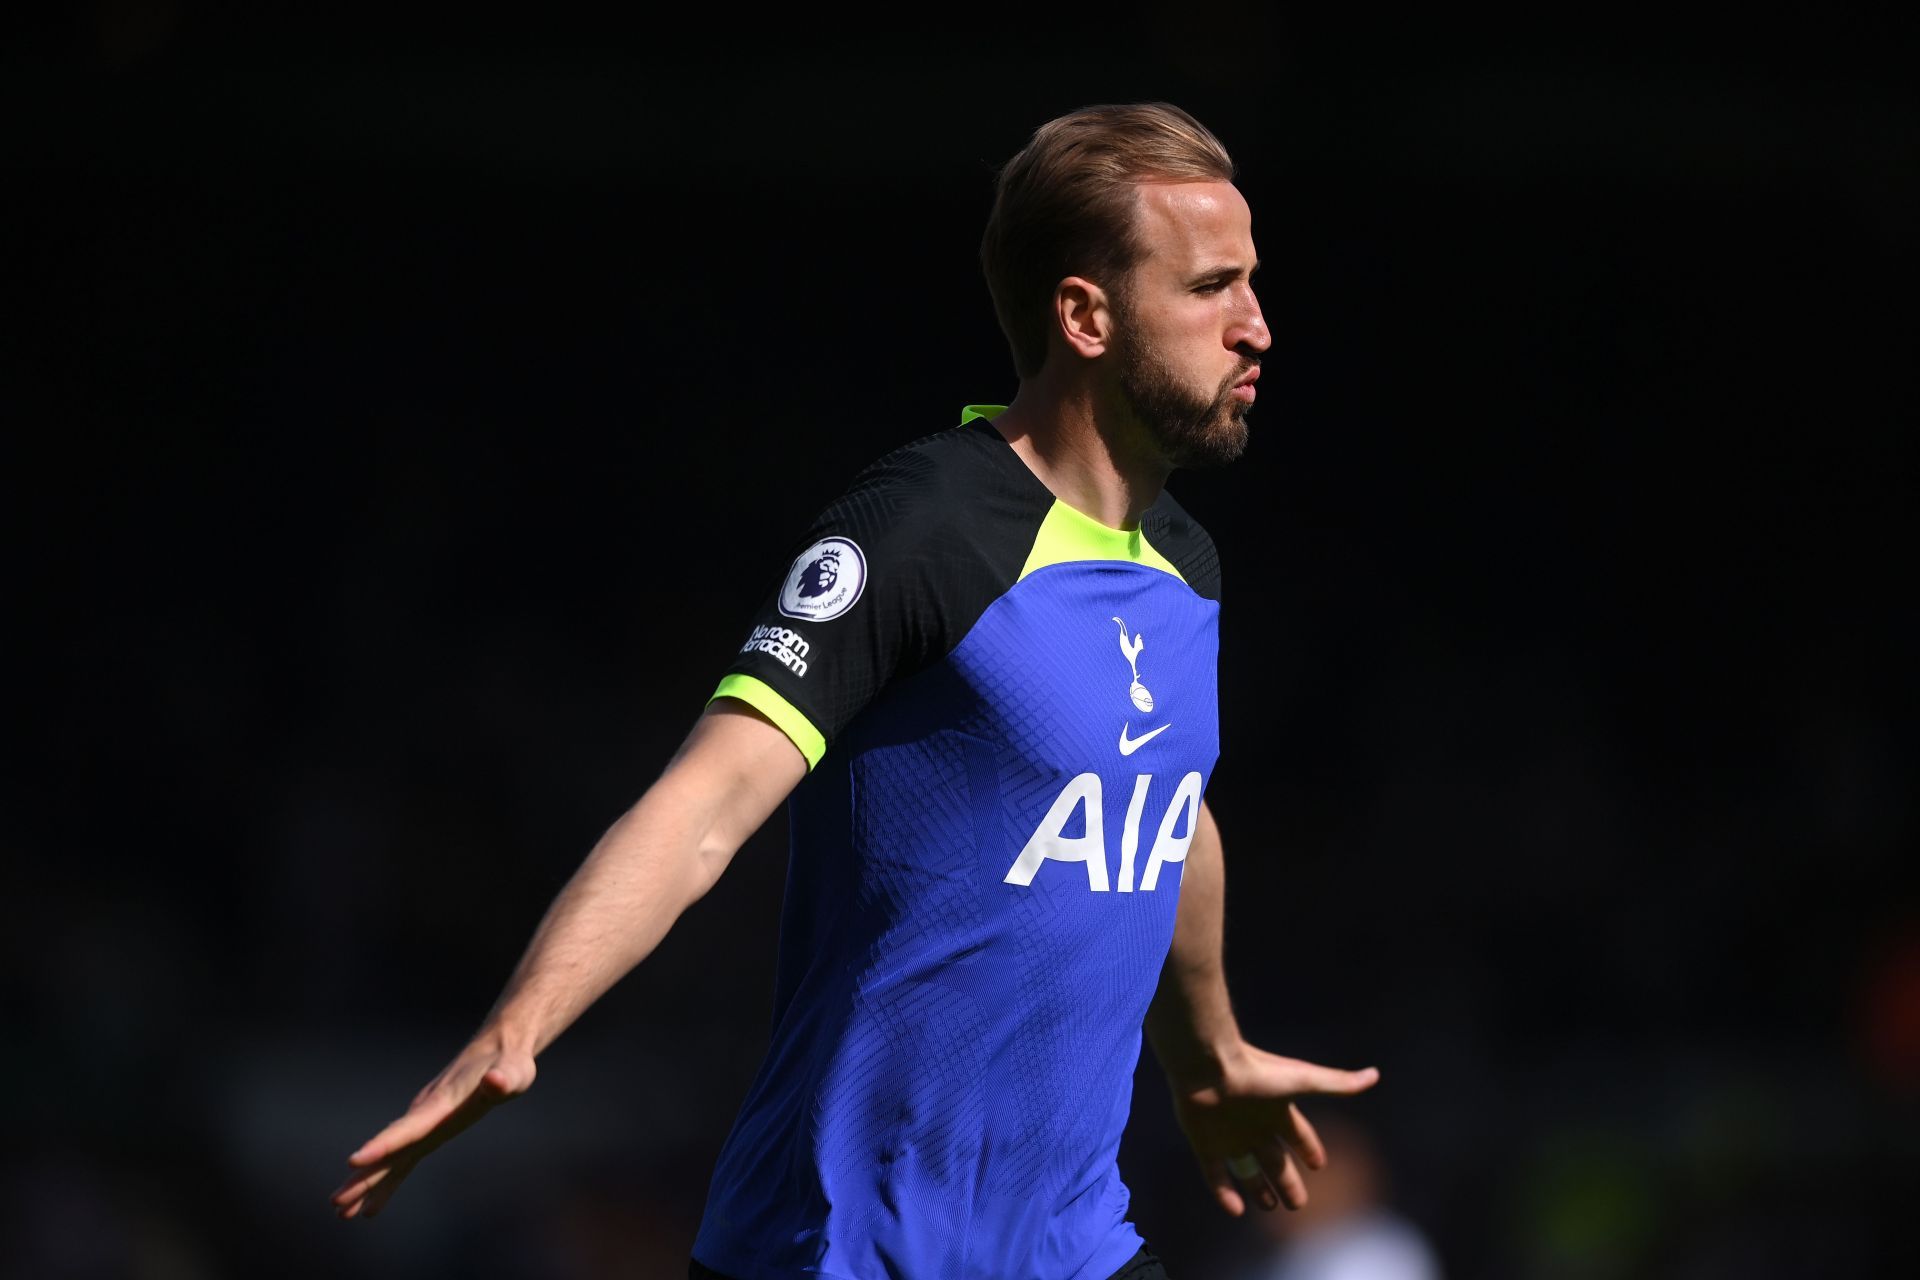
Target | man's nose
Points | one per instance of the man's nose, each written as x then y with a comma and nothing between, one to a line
1251,334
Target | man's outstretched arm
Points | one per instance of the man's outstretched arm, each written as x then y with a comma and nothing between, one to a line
1235,1102
659,859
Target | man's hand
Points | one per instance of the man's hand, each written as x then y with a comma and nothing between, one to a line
485,1075
652,864
1248,1134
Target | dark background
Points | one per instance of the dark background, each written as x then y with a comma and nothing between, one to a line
404,415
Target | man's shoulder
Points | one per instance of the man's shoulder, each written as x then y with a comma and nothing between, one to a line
961,483
1182,539
946,461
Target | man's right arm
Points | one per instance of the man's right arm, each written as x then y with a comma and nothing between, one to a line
659,859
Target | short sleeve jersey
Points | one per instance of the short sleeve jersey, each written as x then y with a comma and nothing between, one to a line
1009,715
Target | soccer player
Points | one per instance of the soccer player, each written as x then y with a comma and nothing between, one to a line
986,685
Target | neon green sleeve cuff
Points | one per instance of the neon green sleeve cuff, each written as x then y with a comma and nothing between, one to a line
759,695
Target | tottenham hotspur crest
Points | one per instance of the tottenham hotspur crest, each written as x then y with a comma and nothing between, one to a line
1137,691
825,581
1130,647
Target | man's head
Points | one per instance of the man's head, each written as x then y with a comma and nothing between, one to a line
1118,242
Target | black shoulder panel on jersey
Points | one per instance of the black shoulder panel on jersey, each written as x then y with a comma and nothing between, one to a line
935,532
1179,537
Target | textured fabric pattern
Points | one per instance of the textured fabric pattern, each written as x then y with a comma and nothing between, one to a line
936,523
1144,1265
970,939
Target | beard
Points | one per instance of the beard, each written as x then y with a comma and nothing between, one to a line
1192,428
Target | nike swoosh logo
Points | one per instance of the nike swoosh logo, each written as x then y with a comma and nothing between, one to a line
1130,745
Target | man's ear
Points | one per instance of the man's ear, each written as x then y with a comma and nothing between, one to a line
1083,316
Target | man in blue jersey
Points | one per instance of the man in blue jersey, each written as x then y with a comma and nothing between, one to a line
986,686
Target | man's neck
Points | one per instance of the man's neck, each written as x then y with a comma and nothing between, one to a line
1096,465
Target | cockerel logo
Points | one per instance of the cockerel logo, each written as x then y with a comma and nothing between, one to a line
1131,648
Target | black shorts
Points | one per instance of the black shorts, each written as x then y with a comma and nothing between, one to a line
1142,1266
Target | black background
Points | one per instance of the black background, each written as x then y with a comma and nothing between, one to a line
405,414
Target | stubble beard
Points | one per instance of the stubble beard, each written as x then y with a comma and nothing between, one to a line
1191,429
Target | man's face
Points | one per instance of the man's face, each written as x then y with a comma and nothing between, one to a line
1188,331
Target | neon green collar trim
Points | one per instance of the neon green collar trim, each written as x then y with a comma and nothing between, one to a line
1067,535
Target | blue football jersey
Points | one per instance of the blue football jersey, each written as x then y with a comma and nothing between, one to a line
1010,716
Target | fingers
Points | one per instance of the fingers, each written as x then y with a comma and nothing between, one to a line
1250,1172
1270,1177
1284,1182
448,1106
452,1103
1298,1134
357,1186
1309,1077
421,1132
377,1198
1225,1188
425,1115
366,1194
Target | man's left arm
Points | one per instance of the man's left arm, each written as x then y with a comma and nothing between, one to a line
1235,1102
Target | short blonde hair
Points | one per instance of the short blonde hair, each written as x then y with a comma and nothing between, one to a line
1064,207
